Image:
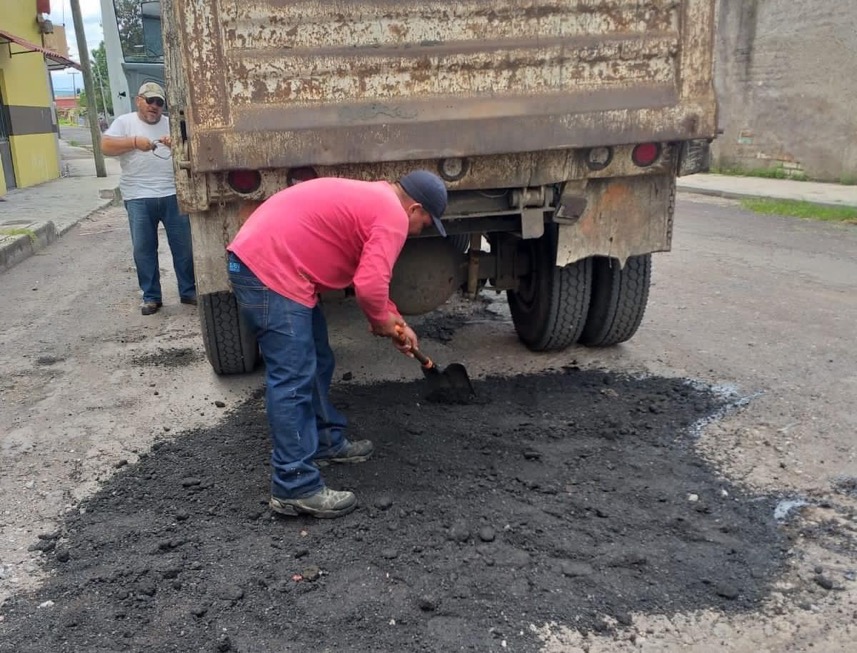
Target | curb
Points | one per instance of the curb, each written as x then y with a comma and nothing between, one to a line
19,247
732,195
14,249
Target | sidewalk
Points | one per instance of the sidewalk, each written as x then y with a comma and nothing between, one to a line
31,218
780,189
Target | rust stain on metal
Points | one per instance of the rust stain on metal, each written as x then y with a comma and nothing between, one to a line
623,217
274,83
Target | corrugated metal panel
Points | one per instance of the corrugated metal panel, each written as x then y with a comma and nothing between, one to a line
279,83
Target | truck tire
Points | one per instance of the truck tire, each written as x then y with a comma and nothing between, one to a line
461,242
229,346
619,298
550,305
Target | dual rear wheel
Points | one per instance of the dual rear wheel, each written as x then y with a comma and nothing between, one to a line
593,301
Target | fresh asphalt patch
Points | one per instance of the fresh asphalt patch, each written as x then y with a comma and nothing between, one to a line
574,497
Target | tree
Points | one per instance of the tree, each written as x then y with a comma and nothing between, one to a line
101,80
130,25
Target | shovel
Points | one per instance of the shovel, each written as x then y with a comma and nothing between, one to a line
450,386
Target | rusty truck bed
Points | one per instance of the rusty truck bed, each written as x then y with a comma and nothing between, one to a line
279,83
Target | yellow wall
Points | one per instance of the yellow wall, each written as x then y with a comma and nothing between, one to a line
24,82
25,78
19,17
3,188
36,158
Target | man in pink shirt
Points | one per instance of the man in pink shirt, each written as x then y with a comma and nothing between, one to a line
323,234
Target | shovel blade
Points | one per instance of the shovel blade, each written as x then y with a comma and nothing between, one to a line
450,386
458,379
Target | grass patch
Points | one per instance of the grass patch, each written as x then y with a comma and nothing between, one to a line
764,173
805,210
19,232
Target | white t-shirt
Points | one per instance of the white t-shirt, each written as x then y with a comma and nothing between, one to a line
143,173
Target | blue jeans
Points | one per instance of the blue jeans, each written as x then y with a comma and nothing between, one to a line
143,217
298,370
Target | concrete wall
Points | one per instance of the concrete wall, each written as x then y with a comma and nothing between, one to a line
787,86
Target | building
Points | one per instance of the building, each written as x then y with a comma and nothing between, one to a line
65,104
29,48
787,88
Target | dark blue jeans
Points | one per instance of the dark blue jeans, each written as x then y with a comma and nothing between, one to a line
143,217
298,370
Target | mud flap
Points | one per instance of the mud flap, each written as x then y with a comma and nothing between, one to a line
624,216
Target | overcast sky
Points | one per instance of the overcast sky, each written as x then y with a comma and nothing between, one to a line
61,15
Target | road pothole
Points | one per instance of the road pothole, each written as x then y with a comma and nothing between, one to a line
574,498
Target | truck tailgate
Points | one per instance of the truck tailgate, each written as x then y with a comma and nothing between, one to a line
278,83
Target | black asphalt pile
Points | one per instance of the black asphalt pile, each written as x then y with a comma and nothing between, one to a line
574,497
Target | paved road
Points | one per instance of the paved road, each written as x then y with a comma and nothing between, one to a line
761,305
80,136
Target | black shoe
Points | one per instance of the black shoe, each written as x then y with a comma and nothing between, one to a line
326,504
353,452
150,308
189,300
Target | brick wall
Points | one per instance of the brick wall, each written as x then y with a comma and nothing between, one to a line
787,86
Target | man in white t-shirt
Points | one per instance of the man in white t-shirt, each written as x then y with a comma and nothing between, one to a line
141,140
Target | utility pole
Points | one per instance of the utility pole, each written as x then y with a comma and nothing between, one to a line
92,109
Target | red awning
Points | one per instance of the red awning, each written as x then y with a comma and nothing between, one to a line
54,60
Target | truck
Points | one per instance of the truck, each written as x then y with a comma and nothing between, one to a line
558,126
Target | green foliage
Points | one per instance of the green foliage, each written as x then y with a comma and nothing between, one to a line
130,25
101,80
29,233
805,210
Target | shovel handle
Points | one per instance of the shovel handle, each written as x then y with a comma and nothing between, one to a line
424,360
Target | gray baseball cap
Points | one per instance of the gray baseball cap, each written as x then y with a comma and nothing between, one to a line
151,89
429,190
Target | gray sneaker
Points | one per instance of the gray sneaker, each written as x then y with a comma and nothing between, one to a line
353,452
150,307
325,503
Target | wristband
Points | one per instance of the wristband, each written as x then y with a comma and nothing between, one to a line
135,142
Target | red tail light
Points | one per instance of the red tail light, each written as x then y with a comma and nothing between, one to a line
297,175
244,181
646,154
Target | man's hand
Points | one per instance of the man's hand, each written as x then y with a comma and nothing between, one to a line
406,340
166,140
143,144
388,329
403,337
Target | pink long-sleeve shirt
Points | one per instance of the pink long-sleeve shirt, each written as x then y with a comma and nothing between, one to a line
327,234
